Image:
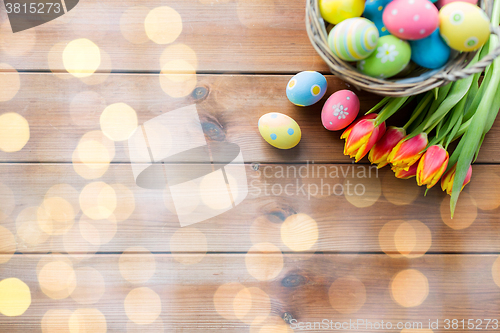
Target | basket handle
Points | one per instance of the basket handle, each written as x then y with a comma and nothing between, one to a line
478,66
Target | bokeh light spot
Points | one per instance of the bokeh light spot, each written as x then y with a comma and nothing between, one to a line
397,191
142,305
188,246
264,261
98,200
137,264
362,192
179,51
163,25
14,131
57,279
409,288
178,78
89,286
15,297
56,321
118,121
125,202
485,189
299,232
465,211
87,321
495,271
347,294
55,216
81,57
18,44
29,234
224,298
251,305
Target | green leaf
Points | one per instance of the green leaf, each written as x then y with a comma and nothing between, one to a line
380,104
390,108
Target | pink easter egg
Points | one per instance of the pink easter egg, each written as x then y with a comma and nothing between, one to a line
340,109
411,19
442,3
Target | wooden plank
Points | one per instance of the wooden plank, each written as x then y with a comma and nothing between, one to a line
353,213
226,36
60,111
221,293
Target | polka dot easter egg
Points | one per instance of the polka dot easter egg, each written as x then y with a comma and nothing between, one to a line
306,88
336,11
373,11
340,109
390,57
431,52
353,39
411,19
279,130
464,26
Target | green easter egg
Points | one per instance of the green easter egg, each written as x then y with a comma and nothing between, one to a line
389,58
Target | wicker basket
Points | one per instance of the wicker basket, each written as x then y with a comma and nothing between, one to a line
419,81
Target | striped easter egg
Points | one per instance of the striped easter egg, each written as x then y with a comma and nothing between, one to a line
353,39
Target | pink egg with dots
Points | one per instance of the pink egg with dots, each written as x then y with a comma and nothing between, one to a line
340,109
411,19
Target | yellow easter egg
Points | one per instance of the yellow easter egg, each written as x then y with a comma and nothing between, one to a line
336,11
464,26
279,130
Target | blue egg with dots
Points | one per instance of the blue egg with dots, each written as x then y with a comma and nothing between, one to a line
306,88
279,130
373,11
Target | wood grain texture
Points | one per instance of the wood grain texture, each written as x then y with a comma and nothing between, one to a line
334,212
226,36
61,111
457,287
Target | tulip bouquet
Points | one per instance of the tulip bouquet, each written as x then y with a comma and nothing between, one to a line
463,110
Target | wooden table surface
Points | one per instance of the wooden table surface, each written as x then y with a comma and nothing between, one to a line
100,254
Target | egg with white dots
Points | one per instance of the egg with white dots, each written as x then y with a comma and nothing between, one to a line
373,11
306,88
279,130
340,110
411,19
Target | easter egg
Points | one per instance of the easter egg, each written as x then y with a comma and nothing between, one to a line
390,57
442,3
431,52
373,11
306,88
353,39
340,109
464,26
411,19
335,11
279,130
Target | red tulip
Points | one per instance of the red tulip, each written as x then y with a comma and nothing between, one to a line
449,177
361,136
432,166
408,152
380,151
405,174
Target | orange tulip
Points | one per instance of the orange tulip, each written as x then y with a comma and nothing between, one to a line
405,174
432,166
361,136
408,152
449,177
380,151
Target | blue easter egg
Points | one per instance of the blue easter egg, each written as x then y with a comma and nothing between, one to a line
306,88
373,11
430,52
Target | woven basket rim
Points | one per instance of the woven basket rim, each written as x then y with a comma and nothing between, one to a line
458,67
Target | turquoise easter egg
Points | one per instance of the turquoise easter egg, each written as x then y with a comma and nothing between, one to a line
373,11
390,57
279,130
430,52
353,39
306,88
